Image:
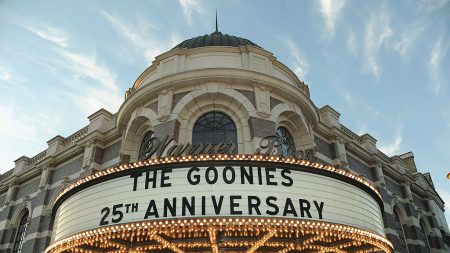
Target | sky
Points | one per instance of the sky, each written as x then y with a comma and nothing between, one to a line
384,65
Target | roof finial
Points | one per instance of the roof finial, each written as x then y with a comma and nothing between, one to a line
217,27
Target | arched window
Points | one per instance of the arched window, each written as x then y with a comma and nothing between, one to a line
20,235
285,141
214,127
400,232
425,235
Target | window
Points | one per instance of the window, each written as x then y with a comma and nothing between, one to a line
425,239
285,141
214,128
401,234
18,243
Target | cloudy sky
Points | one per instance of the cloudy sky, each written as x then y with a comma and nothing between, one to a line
384,65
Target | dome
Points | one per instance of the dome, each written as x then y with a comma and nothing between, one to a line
215,39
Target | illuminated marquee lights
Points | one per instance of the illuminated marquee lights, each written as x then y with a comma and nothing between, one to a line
196,234
288,235
219,157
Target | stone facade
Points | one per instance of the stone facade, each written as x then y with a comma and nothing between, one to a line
259,94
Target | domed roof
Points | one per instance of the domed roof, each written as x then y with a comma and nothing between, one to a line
215,39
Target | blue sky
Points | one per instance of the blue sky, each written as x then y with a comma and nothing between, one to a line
384,65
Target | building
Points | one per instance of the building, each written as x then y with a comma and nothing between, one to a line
218,147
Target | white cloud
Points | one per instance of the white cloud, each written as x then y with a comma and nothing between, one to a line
377,33
348,97
16,125
300,63
93,97
404,44
5,73
141,39
46,32
8,75
330,10
351,43
434,65
22,133
87,66
50,34
432,5
190,7
393,147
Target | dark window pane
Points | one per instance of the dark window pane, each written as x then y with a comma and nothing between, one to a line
401,234
425,237
18,242
285,142
214,128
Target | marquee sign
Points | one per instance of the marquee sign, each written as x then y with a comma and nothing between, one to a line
217,186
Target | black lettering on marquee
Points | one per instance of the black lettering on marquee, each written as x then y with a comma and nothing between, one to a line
234,204
285,175
151,210
304,207
203,205
217,206
135,179
253,204
319,207
164,177
189,206
232,173
171,207
270,176
289,208
151,179
246,175
196,177
260,181
215,175
134,207
269,202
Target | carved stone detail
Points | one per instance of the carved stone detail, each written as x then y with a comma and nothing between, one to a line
9,195
340,151
408,192
262,98
165,105
379,174
44,177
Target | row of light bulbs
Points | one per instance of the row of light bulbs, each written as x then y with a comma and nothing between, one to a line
266,228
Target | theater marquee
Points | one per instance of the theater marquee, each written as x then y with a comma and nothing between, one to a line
218,192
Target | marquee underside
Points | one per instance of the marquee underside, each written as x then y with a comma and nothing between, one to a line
224,235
